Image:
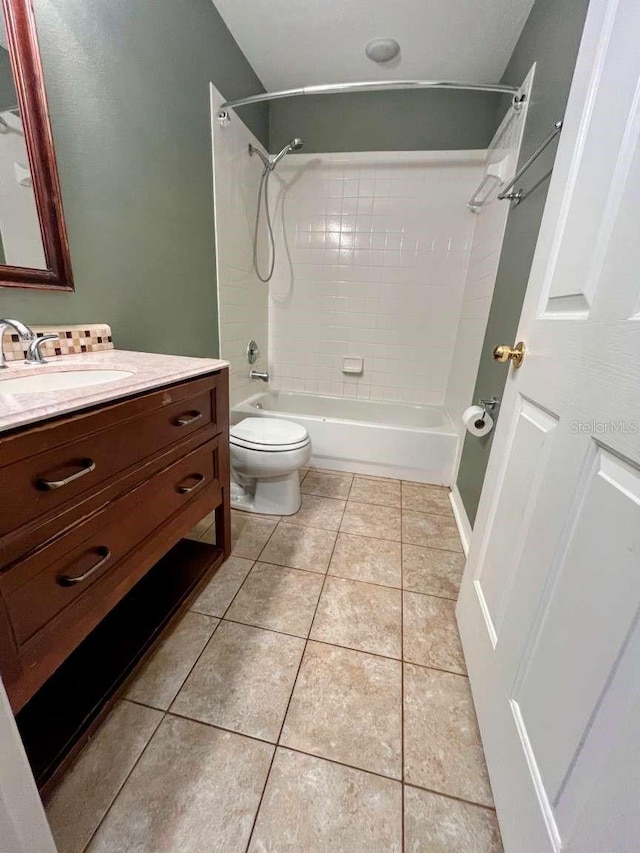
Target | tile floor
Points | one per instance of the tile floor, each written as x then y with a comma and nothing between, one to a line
314,698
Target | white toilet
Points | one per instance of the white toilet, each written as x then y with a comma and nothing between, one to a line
266,455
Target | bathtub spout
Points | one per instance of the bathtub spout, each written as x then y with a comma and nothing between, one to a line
257,374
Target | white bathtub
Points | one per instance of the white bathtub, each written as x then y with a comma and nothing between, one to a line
381,439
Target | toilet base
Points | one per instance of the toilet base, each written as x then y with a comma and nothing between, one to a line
267,495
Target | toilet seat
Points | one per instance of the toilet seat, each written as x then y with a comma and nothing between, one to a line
268,435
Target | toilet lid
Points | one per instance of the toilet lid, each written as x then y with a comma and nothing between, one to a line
268,432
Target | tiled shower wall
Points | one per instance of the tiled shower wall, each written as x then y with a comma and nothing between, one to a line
488,237
242,297
373,250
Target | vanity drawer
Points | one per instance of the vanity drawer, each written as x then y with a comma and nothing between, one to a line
54,466
88,555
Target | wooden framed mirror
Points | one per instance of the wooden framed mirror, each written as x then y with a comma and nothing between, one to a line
34,251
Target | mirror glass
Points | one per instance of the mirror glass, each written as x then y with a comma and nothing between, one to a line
20,237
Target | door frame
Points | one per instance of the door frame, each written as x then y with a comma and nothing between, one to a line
23,822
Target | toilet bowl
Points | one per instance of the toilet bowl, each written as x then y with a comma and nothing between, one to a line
266,455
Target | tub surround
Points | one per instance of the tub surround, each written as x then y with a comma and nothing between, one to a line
242,297
488,237
372,251
149,370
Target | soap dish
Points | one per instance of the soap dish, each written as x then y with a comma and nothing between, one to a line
353,365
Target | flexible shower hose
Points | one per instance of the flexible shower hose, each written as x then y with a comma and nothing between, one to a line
264,188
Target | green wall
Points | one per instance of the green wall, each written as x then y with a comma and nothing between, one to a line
551,38
128,89
385,121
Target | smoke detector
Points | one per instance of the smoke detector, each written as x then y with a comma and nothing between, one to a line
382,50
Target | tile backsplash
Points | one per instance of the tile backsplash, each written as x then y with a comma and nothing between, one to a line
91,337
372,257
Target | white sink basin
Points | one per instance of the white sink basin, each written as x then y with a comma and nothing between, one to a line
60,380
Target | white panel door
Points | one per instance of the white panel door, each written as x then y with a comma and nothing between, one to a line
549,610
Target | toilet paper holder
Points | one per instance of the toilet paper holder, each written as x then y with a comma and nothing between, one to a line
489,404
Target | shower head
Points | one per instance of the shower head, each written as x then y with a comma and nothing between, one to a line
294,145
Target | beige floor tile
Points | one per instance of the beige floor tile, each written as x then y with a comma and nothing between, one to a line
242,681
379,522
432,571
302,473
202,526
361,616
249,533
442,747
430,531
434,823
325,513
90,786
346,707
327,485
369,490
316,806
164,673
430,632
277,598
299,547
209,535
433,499
376,477
363,559
219,592
196,788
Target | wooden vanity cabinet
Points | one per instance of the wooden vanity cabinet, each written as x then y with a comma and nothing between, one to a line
90,502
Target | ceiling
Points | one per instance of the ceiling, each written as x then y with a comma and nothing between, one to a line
294,43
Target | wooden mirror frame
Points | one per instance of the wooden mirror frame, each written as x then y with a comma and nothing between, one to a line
24,53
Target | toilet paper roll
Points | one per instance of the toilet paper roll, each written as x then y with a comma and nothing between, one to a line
475,423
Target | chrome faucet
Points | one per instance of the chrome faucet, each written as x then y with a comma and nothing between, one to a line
34,354
257,374
24,332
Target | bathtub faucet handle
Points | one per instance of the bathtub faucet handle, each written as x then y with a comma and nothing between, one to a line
257,374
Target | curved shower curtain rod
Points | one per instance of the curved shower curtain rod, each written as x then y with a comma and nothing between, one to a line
367,86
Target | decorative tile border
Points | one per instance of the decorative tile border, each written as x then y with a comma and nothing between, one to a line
71,339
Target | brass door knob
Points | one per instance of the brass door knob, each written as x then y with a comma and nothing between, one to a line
504,353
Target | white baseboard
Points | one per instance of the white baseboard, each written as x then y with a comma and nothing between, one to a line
462,519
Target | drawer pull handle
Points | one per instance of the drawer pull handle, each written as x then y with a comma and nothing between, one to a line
69,580
88,465
185,420
199,478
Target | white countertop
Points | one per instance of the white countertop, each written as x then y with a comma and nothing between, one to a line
150,370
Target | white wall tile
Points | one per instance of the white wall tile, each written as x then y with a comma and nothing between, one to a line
242,297
482,270
378,249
